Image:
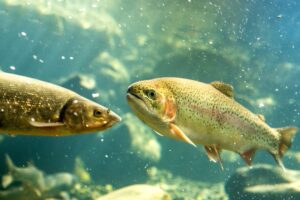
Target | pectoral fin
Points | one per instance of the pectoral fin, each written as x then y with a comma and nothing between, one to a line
213,153
46,125
180,134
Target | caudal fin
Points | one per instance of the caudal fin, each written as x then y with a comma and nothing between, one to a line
8,178
287,134
10,165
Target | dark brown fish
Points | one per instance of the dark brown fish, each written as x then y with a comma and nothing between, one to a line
32,107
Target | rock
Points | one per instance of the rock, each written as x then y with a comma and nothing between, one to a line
137,192
263,182
143,141
181,188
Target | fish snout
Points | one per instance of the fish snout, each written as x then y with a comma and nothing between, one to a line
130,90
113,117
133,93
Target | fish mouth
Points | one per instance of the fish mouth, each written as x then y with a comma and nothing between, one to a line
137,100
134,96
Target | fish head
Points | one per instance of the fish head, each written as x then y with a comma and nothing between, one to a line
153,103
83,115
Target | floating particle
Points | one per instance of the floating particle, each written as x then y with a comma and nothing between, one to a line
71,58
95,95
34,57
12,67
63,57
24,34
261,105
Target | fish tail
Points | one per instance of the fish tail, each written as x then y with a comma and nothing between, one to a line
287,134
8,178
10,165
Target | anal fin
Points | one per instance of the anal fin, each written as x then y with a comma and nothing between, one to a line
180,134
248,156
213,153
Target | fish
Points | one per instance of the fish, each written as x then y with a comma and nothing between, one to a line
30,176
33,107
32,181
206,114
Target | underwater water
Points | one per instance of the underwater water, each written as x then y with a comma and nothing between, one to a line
97,48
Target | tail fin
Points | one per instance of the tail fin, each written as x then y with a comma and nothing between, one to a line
8,178
10,165
287,134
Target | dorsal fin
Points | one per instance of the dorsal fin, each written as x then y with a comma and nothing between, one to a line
261,117
225,88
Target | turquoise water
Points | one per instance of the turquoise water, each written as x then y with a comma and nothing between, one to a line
107,45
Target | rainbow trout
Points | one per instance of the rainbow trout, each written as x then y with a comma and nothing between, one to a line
207,114
32,107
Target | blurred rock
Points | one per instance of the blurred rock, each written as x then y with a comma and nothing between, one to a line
137,192
185,189
18,193
263,182
112,68
294,155
143,140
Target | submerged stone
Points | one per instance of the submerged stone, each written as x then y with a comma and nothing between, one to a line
137,192
263,182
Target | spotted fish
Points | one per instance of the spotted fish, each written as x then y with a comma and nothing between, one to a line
207,114
32,107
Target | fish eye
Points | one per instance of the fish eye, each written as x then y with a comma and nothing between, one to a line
151,94
97,113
